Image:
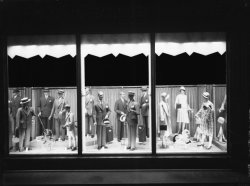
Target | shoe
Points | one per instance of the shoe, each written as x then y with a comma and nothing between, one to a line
21,149
105,146
92,136
99,147
63,139
119,140
68,148
200,145
73,148
208,148
132,149
128,147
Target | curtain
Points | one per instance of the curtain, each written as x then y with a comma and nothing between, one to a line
127,44
201,43
42,45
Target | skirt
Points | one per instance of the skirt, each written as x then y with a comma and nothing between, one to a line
182,116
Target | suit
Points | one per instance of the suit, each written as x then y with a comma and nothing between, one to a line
100,111
58,112
90,128
24,123
14,105
120,106
144,106
132,118
45,107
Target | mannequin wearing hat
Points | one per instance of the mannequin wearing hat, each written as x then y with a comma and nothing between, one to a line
70,126
14,104
58,113
144,106
90,128
132,118
182,108
165,117
101,112
206,114
44,107
120,109
24,122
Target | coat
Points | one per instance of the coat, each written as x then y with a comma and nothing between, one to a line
45,106
120,107
70,121
58,106
14,105
24,118
89,105
144,109
132,112
100,112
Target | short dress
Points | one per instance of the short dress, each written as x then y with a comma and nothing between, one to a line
206,114
182,112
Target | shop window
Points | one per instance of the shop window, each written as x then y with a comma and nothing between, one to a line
116,93
42,95
191,111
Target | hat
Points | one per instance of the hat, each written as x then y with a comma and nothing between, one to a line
100,93
131,93
25,100
45,90
106,121
123,118
221,120
60,91
16,90
182,88
67,106
144,88
205,94
164,94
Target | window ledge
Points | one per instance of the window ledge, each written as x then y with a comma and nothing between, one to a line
122,176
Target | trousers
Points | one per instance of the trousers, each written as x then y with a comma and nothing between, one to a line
101,135
60,132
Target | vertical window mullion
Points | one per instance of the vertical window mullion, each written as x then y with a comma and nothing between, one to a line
153,81
79,94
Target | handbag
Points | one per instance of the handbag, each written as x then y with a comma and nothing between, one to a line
163,127
178,106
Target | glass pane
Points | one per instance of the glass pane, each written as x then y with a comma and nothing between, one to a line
42,95
116,98
191,93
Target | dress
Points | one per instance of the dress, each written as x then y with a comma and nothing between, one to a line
182,112
165,116
206,114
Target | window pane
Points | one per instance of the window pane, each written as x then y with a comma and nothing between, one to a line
42,95
191,93
114,70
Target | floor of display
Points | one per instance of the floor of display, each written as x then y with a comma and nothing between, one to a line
60,147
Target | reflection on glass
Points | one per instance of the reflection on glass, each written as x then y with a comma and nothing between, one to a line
42,120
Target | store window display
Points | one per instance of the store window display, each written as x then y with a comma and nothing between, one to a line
191,74
42,82
123,67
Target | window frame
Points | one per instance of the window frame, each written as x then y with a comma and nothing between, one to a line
232,160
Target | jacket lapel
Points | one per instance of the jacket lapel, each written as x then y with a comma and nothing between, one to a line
99,105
